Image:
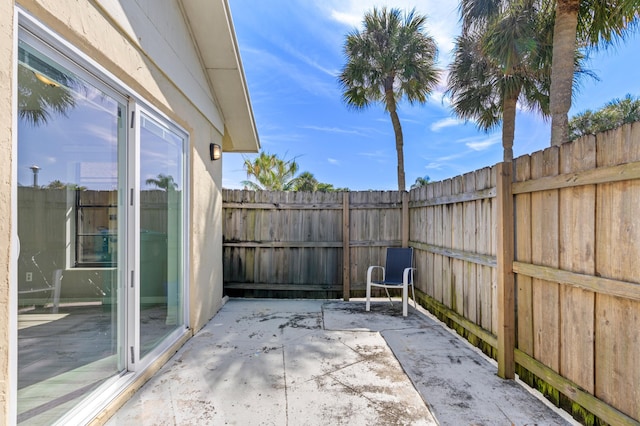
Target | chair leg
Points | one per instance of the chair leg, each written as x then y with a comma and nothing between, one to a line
405,296
367,305
413,293
389,296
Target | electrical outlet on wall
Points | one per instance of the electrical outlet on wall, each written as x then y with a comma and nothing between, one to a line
29,277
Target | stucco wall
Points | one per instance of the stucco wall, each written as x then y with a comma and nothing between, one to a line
91,27
6,118
164,71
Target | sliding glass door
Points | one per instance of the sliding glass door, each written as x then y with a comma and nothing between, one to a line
101,189
161,232
71,140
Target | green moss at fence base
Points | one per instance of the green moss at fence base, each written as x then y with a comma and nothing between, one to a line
474,334
578,412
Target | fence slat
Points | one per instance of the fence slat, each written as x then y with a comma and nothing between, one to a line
506,293
544,251
523,254
577,239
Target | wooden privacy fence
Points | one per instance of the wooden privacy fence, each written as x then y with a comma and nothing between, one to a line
295,241
537,262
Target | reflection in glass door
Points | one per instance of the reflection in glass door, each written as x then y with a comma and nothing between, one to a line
100,198
161,232
71,138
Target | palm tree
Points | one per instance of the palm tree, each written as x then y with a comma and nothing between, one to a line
420,182
500,60
584,23
306,181
270,172
163,181
39,97
392,58
612,115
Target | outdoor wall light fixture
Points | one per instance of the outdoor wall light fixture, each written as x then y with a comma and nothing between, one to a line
215,151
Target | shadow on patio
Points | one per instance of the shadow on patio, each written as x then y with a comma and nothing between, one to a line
318,362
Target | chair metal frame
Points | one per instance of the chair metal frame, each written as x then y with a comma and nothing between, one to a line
397,273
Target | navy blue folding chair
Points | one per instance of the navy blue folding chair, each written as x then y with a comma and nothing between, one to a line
397,273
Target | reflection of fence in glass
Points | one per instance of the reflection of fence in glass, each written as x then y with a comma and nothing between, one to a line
96,228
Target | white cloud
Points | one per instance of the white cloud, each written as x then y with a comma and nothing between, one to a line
333,161
306,59
484,143
380,156
332,130
300,78
445,122
442,17
350,19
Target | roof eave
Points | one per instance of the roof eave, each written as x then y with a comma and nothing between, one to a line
214,35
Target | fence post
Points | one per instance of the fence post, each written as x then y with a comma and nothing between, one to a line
405,219
506,289
346,250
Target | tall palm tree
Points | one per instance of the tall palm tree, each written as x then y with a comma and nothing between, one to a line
582,23
270,172
391,59
500,60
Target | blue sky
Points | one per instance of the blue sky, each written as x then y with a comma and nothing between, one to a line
292,53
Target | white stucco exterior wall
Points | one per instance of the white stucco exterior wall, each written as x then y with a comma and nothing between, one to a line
6,185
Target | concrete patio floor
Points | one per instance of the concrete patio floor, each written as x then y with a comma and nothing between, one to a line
318,362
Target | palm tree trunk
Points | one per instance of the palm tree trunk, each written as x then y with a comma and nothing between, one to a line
562,68
508,126
390,102
397,129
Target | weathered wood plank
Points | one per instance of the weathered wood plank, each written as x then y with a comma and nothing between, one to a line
544,251
522,211
283,244
470,295
448,284
506,290
346,250
430,270
279,287
457,266
605,286
456,198
622,172
437,240
494,251
577,254
484,247
405,219
475,258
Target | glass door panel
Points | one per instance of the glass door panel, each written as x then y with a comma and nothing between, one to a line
161,232
71,136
